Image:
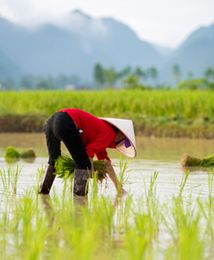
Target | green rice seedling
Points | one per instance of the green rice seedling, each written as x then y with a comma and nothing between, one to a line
207,210
123,169
65,167
9,179
151,190
31,227
184,224
141,236
94,186
39,175
23,228
123,215
176,104
208,161
183,184
189,242
28,155
11,154
179,201
5,179
150,202
14,178
61,226
84,230
176,113
210,187
188,161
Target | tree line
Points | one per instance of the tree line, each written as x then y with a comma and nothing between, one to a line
127,77
139,77
109,77
42,82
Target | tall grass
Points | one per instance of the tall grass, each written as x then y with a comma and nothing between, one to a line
160,112
137,103
36,226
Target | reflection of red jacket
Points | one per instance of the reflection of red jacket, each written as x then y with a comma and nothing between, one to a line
97,135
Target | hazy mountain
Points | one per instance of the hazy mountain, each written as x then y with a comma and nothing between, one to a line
8,69
195,54
74,47
163,50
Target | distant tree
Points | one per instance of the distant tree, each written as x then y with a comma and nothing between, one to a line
8,83
28,82
124,72
152,72
194,84
142,74
190,74
209,74
61,81
110,76
138,72
176,73
99,74
45,83
132,82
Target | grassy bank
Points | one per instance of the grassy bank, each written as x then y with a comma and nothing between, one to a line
159,112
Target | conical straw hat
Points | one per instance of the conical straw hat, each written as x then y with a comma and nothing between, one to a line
127,146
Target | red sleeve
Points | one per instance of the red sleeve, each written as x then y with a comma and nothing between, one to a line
99,145
102,155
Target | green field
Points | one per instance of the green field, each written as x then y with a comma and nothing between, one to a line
154,112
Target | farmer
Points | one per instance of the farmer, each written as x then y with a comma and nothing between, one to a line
85,136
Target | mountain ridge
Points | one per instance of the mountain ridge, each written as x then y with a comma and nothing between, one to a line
75,46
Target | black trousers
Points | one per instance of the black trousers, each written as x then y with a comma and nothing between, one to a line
60,127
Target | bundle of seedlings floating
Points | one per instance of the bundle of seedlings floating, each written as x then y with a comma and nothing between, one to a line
12,154
189,161
65,167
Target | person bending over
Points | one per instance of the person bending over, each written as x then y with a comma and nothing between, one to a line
85,136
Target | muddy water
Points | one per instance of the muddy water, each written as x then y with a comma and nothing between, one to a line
154,154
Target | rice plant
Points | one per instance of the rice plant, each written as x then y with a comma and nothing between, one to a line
61,226
188,113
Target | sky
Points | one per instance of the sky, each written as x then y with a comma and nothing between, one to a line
164,22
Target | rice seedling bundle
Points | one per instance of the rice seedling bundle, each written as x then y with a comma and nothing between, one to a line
12,154
189,161
65,167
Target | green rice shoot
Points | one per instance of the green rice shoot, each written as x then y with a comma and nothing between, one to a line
12,154
65,167
189,161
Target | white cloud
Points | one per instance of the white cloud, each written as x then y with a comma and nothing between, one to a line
162,21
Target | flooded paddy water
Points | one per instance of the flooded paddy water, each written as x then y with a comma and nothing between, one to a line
162,216
161,155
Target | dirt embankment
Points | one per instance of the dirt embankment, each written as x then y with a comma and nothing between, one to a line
21,123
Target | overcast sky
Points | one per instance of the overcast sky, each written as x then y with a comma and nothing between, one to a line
165,22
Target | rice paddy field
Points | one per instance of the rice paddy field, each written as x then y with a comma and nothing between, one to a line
167,212
154,112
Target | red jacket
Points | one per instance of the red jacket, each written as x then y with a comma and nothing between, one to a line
97,134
